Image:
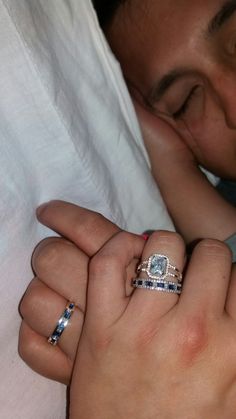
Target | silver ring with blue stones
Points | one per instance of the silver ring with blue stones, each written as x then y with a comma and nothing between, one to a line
154,285
158,267
61,324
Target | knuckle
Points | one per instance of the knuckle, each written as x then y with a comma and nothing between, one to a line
125,236
214,247
90,222
29,300
110,258
193,338
168,237
102,264
26,345
25,348
25,305
48,254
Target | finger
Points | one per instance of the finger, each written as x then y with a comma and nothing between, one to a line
63,268
77,224
231,297
107,279
207,279
41,308
153,303
45,359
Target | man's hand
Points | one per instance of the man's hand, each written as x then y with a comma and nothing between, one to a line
61,268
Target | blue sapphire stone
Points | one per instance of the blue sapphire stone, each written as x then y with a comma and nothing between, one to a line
60,328
67,314
148,283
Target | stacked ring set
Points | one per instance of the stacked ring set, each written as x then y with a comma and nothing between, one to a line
158,268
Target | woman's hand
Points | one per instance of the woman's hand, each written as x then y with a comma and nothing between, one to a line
154,354
61,269
145,354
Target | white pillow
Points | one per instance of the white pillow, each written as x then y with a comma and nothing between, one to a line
67,130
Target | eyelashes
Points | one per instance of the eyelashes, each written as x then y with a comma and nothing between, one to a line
184,107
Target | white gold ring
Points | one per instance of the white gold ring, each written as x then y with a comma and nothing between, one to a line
163,286
61,324
159,267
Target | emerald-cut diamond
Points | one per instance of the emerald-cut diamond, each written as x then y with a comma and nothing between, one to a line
158,265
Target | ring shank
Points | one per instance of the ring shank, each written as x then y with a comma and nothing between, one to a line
61,324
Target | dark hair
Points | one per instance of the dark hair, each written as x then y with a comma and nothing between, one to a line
106,10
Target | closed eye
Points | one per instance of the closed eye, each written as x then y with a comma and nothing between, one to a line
184,107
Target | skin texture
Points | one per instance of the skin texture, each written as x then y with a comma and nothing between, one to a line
206,62
61,272
192,331
194,204
183,338
178,345
191,66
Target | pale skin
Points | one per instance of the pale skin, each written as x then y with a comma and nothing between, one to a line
178,343
195,137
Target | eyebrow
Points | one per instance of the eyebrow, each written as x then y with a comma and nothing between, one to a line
222,16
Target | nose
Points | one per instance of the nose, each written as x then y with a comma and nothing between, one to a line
225,89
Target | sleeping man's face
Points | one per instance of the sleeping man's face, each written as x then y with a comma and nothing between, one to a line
179,58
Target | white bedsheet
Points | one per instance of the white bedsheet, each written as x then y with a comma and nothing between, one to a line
68,131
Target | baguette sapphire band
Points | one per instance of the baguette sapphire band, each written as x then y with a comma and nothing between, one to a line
163,286
61,324
158,267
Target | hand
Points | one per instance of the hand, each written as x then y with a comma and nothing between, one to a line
60,268
157,355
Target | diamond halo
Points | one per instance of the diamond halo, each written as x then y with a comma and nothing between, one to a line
158,267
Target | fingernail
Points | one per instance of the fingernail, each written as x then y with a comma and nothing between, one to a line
145,236
41,208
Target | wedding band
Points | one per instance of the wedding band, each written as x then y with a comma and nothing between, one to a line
61,324
163,286
159,267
